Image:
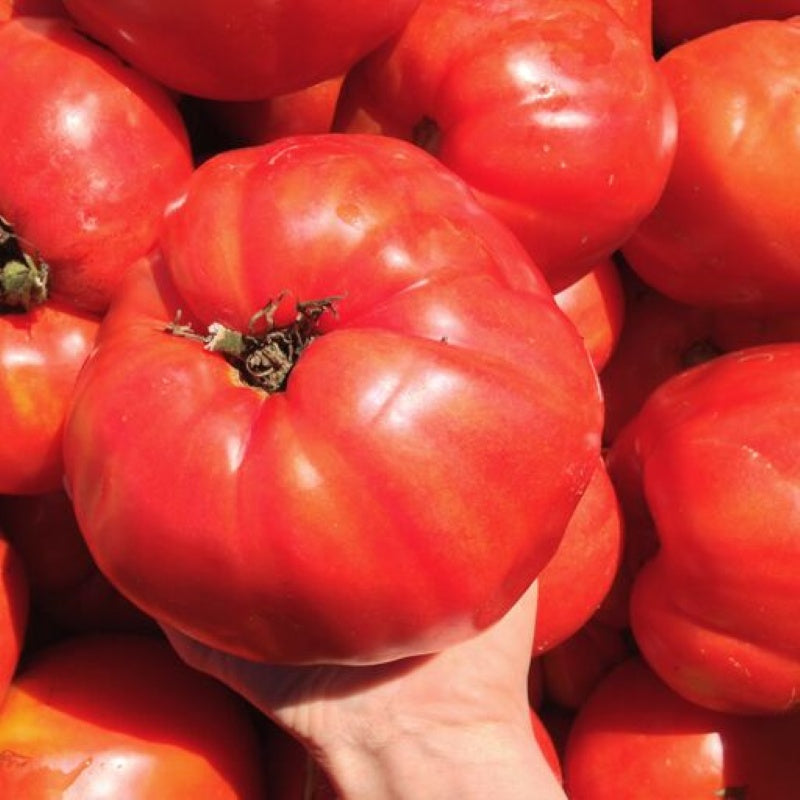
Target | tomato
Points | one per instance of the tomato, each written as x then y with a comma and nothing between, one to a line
41,353
596,305
65,585
716,454
122,716
635,738
725,232
573,668
241,49
579,575
553,112
661,337
425,423
676,21
307,110
13,611
92,155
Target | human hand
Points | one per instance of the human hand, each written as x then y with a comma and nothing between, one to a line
451,724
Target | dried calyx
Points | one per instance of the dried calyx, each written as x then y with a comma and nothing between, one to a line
266,354
24,278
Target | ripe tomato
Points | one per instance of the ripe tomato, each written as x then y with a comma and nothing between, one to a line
241,49
412,455
725,232
122,716
596,305
553,111
634,738
13,611
249,122
573,669
579,575
65,585
716,453
41,352
92,154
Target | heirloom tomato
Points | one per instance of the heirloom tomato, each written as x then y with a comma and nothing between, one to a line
379,442
726,231
121,716
92,154
715,456
241,49
552,110
634,738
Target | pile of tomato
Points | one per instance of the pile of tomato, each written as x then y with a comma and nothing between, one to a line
326,328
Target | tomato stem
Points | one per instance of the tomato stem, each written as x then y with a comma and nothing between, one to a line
24,279
263,359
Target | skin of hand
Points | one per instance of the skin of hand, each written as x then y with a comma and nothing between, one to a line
452,724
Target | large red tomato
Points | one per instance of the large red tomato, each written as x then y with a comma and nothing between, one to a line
241,49
725,232
716,451
634,738
92,154
552,110
121,716
395,453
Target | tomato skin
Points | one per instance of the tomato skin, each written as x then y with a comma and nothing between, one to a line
308,110
25,8
575,667
41,353
121,716
91,158
638,14
241,49
14,610
596,305
567,138
715,450
635,738
724,234
65,585
579,575
282,526
677,21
